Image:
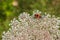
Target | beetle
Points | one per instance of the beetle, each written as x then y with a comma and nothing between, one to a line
38,16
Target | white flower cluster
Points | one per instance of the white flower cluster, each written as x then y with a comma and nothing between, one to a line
27,27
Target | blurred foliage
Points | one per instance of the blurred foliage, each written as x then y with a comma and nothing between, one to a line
8,11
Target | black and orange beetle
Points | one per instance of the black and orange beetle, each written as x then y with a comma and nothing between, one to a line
38,16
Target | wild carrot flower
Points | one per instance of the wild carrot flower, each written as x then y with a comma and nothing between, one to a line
27,27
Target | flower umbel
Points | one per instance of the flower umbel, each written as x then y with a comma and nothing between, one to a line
27,27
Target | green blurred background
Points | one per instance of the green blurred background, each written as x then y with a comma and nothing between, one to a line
12,8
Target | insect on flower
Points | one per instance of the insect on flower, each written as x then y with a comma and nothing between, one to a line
38,16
